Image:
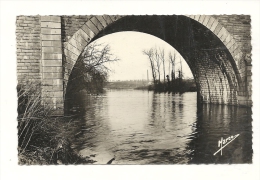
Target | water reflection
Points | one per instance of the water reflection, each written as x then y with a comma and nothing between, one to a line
216,121
140,127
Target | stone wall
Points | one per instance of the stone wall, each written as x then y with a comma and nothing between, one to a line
28,45
240,27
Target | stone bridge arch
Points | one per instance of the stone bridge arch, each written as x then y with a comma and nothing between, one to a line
219,80
217,49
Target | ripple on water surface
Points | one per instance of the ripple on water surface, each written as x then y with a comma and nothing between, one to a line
140,127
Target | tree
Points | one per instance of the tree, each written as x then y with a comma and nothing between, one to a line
158,64
161,51
90,71
172,60
150,54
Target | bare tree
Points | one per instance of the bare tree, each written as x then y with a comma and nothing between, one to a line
161,51
96,56
158,63
172,60
90,70
150,55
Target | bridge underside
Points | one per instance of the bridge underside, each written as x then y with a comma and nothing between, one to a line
213,67
221,76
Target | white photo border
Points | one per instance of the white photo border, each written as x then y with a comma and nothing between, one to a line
8,114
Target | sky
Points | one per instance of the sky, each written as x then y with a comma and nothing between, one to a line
133,64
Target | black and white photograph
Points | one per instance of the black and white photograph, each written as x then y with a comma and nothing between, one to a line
118,89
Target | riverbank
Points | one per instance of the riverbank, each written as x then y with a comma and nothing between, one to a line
42,138
48,140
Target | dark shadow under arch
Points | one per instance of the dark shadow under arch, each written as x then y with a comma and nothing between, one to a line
210,61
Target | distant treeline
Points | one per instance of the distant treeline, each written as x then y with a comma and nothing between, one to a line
183,85
128,84
177,85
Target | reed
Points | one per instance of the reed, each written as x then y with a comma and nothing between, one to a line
43,139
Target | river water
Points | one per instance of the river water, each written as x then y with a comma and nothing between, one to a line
141,127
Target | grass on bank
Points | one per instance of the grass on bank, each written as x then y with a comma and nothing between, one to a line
43,139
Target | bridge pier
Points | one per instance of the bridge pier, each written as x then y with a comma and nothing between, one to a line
51,64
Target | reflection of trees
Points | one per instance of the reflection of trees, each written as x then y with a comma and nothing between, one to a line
155,112
166,112
214,122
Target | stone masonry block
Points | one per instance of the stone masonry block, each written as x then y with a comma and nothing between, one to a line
56,25
191,16
47,82
69,62
92,27
46,88
57,88
51,37
71,55
49,101
206,20
222,34
52,43
84,36
88,31
227,40
51,75
57,82
201,19
107,19
113,18
102,21
24,70
79,40
96,22
214,25
50,18
117,17
231,43
50,31
233,47
76,44
52,63
218,28
51,69
51,56
54,99
210,22
73,49
53,50
197,17
236,51
35,70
